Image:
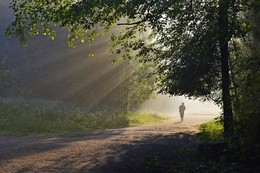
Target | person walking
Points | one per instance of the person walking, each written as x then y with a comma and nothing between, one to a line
181,110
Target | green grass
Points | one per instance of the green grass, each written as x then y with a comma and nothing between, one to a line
136,119
28,119
212,130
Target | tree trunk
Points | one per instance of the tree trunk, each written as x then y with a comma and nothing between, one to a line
224,38
226,98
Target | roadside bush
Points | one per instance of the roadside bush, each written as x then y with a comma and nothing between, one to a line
212,130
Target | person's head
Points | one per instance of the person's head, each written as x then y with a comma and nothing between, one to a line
182,103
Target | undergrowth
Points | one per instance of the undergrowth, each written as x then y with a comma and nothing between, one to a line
210,166
211,131
33,119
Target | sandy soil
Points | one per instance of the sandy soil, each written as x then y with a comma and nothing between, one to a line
124,150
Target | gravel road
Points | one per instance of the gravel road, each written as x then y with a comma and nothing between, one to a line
126,150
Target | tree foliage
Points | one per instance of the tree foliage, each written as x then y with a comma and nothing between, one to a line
140,85
185,33
188,40
245,62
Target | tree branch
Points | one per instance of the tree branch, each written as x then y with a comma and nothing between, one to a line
149,16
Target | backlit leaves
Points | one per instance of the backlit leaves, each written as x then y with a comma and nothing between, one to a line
179,36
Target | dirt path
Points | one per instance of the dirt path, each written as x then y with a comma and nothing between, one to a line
124,150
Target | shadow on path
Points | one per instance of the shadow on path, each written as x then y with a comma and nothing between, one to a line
155,153
15,147
113,151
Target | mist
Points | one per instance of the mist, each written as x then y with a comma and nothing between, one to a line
164,104
49,69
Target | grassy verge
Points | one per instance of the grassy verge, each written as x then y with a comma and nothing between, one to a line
211,131
135,119
194,162
38,120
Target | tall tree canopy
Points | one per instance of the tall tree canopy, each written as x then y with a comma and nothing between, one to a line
189,40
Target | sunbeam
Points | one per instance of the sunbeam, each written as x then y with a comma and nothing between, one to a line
49,69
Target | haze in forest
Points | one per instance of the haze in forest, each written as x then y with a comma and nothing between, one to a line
164,104
48,69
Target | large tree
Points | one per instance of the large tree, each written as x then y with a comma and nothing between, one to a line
189,39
